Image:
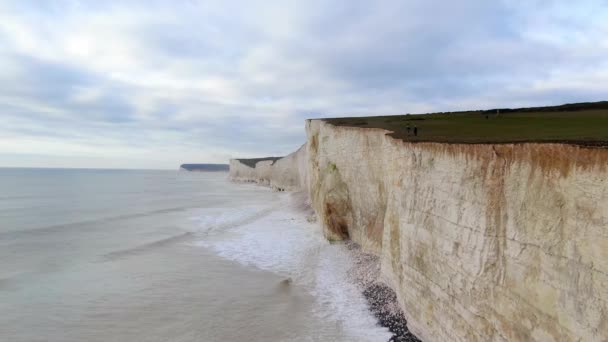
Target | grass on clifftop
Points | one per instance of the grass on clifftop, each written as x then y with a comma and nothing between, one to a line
582,123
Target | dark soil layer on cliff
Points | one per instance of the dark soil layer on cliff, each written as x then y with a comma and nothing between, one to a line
382,299
252,161
580,124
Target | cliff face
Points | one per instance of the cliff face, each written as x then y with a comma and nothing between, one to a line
480,242
287,173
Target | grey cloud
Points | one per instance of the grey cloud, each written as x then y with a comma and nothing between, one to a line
241,77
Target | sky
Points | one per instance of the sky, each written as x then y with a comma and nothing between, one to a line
153,84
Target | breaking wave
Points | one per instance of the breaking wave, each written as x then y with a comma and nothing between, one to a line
286,243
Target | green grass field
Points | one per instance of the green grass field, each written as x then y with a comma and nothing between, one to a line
583,124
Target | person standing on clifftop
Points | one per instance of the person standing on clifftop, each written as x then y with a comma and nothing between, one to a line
415,131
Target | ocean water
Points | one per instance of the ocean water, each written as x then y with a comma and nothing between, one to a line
113,255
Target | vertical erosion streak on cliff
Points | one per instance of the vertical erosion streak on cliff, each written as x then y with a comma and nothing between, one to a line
495,168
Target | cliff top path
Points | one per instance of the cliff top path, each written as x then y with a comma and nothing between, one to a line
578,123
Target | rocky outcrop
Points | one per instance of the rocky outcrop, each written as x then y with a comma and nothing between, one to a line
480,242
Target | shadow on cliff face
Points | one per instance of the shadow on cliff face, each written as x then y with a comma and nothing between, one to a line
336,222
336,207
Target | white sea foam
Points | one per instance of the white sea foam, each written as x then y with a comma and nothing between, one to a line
208,220
282,241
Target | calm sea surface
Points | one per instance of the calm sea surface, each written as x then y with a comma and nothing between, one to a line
110,255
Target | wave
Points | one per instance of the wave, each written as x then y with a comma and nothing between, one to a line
146,247
216,219
7,283
221,219
284,242
78,224
11,198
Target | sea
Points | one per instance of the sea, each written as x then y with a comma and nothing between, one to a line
142,255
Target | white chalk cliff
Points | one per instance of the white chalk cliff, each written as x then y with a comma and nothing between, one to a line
480,242
288,173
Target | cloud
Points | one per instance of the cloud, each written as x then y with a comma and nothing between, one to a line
157,83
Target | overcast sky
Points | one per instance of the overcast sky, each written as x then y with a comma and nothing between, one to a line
153,84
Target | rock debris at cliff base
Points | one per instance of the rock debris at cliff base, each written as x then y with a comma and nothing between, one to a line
382,299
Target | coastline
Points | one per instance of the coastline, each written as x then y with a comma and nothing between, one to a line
471,251
363,272
288,242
